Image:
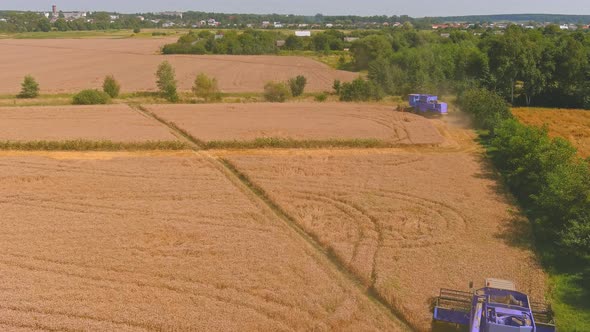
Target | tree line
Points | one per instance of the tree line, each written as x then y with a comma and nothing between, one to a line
541,67
532,67
254,42
549,179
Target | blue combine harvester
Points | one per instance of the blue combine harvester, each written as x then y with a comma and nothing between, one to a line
498,307
427,104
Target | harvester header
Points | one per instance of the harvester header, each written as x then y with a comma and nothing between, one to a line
498,307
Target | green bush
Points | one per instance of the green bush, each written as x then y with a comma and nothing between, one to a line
276,92
360,90
166,81
337,86
111,87
297,85
549,180
91,97
30,88
488,108
322,97
136,30
206,88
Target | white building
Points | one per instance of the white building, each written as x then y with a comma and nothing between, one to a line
303,33
278,25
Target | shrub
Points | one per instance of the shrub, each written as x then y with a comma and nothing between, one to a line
136,30
297,85
206,88
276,92
91,97
360,90
488,108
111,87
30,88
166,81
336,86
322,97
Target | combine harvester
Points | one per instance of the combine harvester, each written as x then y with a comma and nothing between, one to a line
498,307
427,104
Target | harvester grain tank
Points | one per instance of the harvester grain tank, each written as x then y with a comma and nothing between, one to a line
422,103
497,307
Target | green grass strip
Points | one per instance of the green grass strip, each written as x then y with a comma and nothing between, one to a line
288,143
88,145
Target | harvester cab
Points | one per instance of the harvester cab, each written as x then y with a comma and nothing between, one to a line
497,307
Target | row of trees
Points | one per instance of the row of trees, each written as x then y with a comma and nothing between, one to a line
254,42
544,67
34,22
545,174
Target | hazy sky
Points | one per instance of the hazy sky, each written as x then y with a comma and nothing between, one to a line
416,8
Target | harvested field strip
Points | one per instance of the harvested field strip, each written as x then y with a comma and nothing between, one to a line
314,124
116,123
313,240
90,145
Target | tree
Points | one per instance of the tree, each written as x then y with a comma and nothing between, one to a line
293,43
30,88
276,92
206,88
61,25
166,81
488,108
360,90
297,85
370,48
111,86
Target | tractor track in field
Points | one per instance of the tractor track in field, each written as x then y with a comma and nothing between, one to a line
333,264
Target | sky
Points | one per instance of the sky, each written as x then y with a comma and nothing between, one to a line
414,8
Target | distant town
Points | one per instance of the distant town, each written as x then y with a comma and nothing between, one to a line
14,21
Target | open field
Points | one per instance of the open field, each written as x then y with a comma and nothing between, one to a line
299,121
117,123
137,242
573,125
406,223
134,61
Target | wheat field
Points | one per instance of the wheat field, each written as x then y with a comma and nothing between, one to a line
158,242
406,223
573,125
